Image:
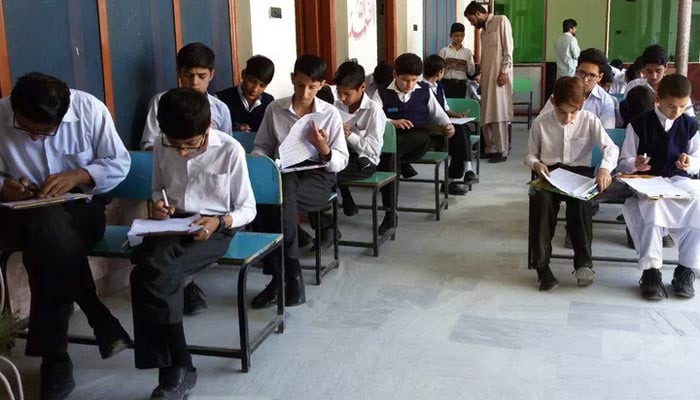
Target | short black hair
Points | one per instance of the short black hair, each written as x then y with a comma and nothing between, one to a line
654,54
476,73
432,65
350,74
457,27
183,113
195,55
674,85
311,65
408,64
326,94
633,70
40,98
568,24
261,68
607,75
473,8
593,56
383,74
638,100
617,63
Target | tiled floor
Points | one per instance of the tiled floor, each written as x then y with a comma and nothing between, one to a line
448,311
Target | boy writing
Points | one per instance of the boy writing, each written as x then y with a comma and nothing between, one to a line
664,142
201,170
563,138
306,190
248,101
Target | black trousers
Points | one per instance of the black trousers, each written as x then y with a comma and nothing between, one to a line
459,149
356,169
157,284
543,223
411,145
55,242
455,88
302,191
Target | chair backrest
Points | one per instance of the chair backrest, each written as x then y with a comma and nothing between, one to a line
618,96
137,184
389,145
522,85
246,139
462,105
617,136
265,179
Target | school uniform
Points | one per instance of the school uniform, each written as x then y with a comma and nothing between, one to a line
220,119
55,240
598,102
663,140
213,182
367,125
243,113
460,63
689,111
568,146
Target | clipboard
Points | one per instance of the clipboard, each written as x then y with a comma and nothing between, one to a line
45,202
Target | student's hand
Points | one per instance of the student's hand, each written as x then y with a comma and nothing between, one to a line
401,123
319,139
59,184
464,114
541,169
160,211
502,79
346,129
243,128
683,162
603,179
13,190
641,163
209,225
448,130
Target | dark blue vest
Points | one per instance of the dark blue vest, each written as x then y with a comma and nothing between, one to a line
415,110
440,95
239,115
663,147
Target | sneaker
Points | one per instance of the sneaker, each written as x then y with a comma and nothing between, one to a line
584,276
470,177
682,283
667,241
455,188
567,241
546,279
651,285
194,300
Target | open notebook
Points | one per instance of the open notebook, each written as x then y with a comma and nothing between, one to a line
569,183
656,188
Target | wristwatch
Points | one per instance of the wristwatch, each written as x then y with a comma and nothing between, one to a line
222,224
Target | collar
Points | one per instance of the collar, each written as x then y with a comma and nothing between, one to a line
488,20
393,87
597,92
249,107
364,104
665,122
454,48
214,139
287,103
431,85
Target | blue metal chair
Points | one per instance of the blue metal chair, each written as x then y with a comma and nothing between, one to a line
246,139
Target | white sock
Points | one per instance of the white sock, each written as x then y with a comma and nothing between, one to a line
468,166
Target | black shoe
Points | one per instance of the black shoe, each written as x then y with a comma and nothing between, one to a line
303,238
407,171
470,177
111,337
546,279
498,159
194,300
349,207
267,298
56,379
486,156
651,285
455,188
667,241
294,292
386,224
620,218
682,283
175,383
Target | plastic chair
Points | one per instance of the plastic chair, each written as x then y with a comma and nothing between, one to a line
474,109
246,139
524,85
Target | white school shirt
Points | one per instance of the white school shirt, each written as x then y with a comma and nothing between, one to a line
279,119
631,143
462,54
213,182
551,142
599,102
689,111
86,138
567,54
220,119
436,114
367,126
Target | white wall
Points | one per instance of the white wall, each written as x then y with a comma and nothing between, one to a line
360,33
409,13
272,37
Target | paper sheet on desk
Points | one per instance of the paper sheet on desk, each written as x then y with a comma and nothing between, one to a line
45,202
295,147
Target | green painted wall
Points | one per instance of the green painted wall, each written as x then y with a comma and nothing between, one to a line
590,16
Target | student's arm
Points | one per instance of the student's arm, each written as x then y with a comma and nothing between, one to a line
470,63
691,163
608,149
438,116
151,129
534,143
607,113
371,139
226,125
242,198
628,155
689,111
336,142
265,140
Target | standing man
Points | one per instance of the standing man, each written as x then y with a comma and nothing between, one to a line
496,78
567,49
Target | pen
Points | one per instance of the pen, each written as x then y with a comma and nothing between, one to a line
31,189
645,157
165,198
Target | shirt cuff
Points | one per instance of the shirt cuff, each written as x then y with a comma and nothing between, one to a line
97,173
354,139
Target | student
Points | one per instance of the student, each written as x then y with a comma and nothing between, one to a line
410,108
563,138
306,190
591,64
459,146
606,80
248,101
363,128
664,142
619,83
459,63
203,171
653,64
640,99
55,140
567,49
381,77
473,87
195,69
